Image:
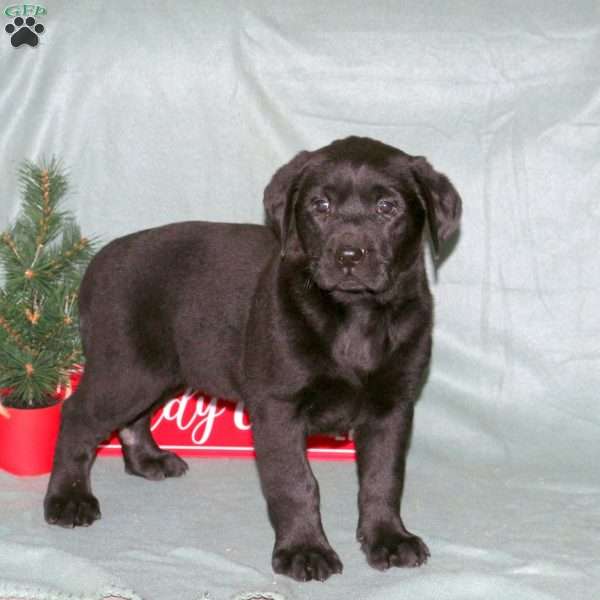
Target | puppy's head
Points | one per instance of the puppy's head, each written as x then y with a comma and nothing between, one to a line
356,209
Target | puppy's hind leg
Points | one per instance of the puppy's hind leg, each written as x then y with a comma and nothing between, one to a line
104,402
69,501
143,456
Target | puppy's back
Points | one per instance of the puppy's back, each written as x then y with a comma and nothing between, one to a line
147,293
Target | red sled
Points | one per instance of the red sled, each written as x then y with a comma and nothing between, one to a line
195,424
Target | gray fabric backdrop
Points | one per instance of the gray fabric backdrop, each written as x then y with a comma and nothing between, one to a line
168,111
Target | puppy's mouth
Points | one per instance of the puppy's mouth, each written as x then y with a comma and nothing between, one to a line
349,283
348,280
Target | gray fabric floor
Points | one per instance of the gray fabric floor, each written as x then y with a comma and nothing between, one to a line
207,534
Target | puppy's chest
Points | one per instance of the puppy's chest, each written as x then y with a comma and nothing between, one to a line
338,398
331,404
359,346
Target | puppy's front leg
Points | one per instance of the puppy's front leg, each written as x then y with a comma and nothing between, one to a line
301,548
381,447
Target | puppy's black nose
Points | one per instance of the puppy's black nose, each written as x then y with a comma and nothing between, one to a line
349,256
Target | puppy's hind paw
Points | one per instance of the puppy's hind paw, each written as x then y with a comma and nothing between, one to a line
73,509
157,467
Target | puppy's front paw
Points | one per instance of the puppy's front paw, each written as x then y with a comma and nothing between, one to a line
304,562
391,548
71,509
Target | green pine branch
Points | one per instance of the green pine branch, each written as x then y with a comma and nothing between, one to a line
42,260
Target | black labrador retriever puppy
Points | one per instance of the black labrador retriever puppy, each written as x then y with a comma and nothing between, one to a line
320,321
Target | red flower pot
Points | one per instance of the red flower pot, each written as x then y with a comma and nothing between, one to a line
27,439
28,435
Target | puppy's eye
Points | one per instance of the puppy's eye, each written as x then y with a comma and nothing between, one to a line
385,207
321,205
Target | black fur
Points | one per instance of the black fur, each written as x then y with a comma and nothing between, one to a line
320,321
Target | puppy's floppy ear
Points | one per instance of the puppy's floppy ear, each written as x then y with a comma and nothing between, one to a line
279,197
441,200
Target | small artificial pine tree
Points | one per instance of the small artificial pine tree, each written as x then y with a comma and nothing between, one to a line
42,259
